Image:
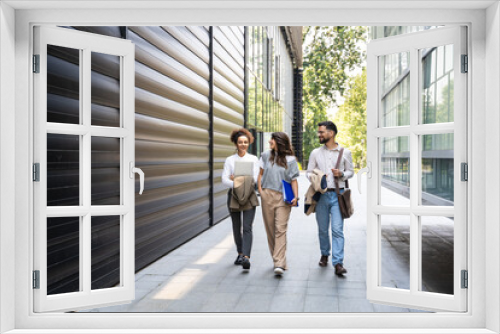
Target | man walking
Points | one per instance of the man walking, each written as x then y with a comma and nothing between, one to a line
325,159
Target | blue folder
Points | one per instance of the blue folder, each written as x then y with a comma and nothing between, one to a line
288,195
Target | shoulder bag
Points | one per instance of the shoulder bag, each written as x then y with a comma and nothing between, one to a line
345,201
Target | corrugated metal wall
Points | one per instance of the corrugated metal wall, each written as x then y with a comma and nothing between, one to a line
229,82
172,136
172,139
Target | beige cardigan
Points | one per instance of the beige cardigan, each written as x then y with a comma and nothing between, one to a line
315,178
243,194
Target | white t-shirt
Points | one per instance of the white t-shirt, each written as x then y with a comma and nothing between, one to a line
229,167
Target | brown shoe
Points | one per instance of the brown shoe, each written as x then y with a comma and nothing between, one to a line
323,262
339,270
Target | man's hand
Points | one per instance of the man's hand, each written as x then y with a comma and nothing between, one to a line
337,172
293,202
231,177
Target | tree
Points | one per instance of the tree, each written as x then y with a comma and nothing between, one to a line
351,120
329,54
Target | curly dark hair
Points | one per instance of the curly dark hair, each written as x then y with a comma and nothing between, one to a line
283,148
329,125
237,133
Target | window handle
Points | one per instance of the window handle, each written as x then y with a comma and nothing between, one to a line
367,170
139,171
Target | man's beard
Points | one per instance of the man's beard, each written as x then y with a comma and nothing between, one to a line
323,140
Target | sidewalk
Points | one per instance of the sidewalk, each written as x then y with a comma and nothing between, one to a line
200,275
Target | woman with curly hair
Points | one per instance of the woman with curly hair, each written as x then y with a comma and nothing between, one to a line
242,211
276,165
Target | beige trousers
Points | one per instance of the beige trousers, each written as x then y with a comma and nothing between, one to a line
276,214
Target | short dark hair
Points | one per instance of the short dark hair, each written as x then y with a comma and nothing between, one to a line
241,132
329,126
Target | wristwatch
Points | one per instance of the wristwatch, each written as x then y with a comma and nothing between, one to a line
342,174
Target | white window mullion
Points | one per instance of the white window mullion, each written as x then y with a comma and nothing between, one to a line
373,192
127,115
414,169
460,145
86,242
434,129
40,156
399,131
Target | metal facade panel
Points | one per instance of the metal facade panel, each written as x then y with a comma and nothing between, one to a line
171,46
228,105
224,70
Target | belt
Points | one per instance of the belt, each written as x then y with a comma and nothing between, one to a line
333,189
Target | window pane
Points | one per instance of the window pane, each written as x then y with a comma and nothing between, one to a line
63,85
437,169
105,171
63,170
259,114
105,251
437,85
395,171
437,254
105,89
63,255
394,77
395,251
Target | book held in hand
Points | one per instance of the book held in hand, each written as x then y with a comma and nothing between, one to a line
288,195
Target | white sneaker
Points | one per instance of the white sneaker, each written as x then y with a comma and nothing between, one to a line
278,271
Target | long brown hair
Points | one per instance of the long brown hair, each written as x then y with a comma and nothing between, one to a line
283,148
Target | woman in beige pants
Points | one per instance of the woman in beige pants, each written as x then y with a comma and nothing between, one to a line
276,165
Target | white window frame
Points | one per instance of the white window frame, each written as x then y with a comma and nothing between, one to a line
86,43
413,44
483,209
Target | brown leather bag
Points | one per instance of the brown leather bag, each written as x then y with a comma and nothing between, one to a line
345,201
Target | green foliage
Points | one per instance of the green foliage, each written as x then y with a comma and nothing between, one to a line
329,54
351,120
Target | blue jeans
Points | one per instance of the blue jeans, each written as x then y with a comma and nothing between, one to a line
328,209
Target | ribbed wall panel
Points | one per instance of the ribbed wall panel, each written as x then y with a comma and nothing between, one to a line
150,104
171,46
228,105
228,114
222,69
154,58
190,41
227,86
235,66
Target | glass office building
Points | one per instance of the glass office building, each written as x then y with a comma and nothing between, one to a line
273,59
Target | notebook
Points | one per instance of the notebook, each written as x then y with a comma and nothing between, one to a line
288,193
243,168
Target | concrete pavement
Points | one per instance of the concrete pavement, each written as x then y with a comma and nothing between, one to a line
200,275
